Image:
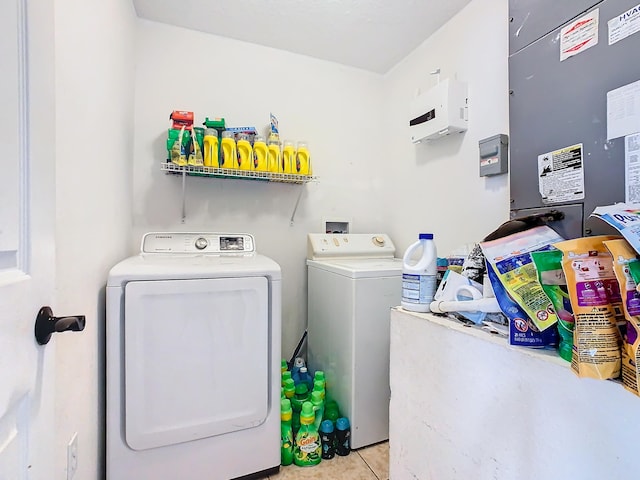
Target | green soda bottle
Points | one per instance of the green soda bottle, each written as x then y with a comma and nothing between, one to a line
286,433
308,448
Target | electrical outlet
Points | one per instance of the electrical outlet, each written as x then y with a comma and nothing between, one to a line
72,456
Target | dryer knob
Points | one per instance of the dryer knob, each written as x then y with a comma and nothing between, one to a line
201,243
378,241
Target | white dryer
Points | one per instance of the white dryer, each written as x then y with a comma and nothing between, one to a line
193,360
353,281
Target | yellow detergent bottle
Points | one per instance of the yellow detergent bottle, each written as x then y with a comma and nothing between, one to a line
260,154
245,153
228,157
302,164
288,157
211,148
275,155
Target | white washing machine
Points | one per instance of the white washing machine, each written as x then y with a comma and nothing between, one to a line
193,360
353,281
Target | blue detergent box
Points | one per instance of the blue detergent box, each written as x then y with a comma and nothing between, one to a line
522,331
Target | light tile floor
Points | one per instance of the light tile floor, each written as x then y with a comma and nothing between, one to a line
370,463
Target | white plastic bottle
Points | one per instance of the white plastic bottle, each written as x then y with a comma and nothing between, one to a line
419,275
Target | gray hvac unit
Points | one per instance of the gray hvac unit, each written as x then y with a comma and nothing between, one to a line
565,57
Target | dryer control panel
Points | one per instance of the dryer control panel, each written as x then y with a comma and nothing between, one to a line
197,242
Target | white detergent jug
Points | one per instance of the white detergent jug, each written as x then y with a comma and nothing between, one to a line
419,274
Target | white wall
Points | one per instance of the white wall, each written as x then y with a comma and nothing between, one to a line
435,187
94,143
357,126
337,109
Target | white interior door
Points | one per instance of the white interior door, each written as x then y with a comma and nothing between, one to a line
27,213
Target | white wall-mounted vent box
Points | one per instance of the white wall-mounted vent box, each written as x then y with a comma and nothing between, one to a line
439,112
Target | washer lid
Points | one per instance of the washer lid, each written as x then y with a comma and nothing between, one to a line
360,267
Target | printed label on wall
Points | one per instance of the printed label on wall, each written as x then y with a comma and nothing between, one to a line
623,111
623,25
579,35
561,175
632,168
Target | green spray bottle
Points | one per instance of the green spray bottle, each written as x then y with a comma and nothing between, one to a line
308,448
286,432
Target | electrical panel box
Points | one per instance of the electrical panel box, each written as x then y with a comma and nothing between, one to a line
494,156
439,112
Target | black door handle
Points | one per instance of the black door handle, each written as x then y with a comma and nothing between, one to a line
47,324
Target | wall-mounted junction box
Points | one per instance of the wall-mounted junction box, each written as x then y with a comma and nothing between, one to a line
494,155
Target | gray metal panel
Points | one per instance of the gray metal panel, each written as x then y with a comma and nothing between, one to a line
557,104
531,19
569,227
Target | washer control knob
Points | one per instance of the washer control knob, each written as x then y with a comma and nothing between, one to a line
201,243
378,241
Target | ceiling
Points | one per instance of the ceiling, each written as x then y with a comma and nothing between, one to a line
372,35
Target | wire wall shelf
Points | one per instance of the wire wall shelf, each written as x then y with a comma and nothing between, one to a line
234,173
193,171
